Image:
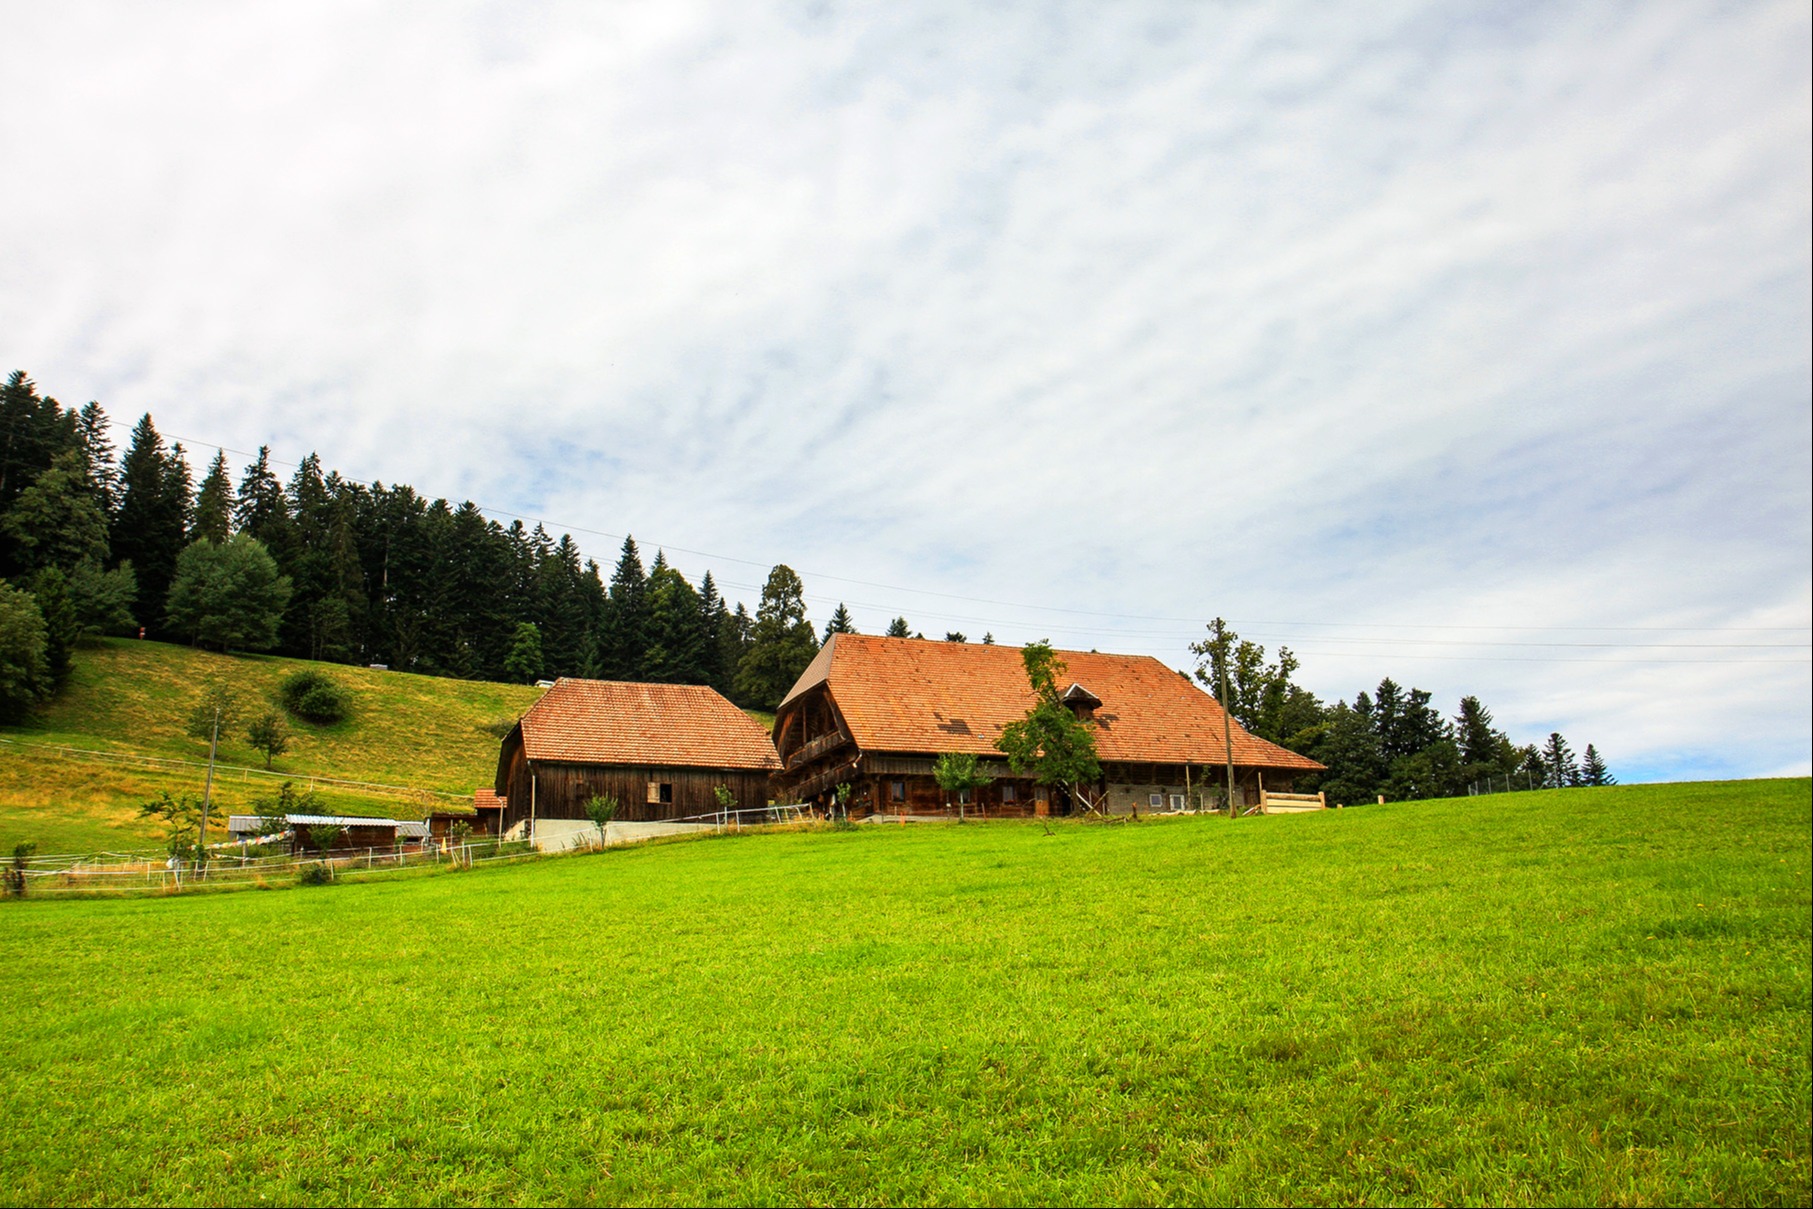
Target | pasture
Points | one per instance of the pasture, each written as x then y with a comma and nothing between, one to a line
1583,996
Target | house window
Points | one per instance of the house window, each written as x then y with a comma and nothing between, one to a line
897,791
660,793
1177,801
1156,801
1007,793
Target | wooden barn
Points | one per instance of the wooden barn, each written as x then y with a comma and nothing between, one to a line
877,712
662,750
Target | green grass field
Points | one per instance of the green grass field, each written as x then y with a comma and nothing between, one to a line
127,696
1588,996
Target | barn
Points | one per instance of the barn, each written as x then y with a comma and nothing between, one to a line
877,712
661,750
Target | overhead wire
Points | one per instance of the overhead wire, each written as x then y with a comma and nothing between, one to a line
1297,641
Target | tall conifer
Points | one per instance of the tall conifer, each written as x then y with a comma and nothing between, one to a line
214,503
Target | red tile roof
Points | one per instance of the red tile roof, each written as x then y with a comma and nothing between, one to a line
646,725
918,695
488,799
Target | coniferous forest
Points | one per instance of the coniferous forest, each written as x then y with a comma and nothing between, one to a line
97,540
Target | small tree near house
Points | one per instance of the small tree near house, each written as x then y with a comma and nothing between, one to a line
1049,744
959,773
601,808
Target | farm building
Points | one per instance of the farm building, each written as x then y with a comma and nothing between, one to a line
877,712
661,750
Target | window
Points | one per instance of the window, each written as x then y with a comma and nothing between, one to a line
897,791
1007,792
1177,801
660,793
1156,801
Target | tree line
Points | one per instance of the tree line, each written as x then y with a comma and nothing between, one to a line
1390,741
322,567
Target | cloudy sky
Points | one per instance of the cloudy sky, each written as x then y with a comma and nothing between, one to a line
1463,344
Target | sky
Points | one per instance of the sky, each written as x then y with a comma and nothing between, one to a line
1462,344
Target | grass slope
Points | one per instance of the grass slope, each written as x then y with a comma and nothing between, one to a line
1588,996
123,695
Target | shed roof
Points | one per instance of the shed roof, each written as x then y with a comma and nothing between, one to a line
644,725
918,695
336,820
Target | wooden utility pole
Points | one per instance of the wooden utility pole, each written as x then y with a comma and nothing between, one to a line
207,794
1227,732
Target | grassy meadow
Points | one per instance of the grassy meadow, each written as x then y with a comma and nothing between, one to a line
1584,996
128,696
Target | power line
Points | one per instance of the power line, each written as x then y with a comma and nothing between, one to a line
1136,617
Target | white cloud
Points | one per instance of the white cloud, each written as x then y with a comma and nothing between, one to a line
1436,316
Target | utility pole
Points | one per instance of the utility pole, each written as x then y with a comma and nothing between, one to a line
1227,729
207,793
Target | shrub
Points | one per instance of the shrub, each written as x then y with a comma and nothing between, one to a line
316,873
315,696
499,726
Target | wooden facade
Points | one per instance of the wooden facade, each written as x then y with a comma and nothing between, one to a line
645,793
876,713
662,751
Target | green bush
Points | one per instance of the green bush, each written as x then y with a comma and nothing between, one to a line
315,874
315,697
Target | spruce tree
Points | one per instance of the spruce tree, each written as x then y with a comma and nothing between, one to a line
623,640
734,638
214,504
149,528
261,509
898,628
713,617
1593,770
676,629
781,644
840,623
34,429
97,457
1558,763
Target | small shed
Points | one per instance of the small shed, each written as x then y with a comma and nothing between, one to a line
663,751
354,832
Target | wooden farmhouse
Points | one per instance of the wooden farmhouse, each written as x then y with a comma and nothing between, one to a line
877,712
661,750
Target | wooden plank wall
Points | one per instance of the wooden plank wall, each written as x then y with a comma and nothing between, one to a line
561,791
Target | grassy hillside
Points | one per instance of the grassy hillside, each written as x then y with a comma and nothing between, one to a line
1587,996
127,696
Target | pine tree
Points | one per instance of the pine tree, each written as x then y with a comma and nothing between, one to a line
152,520
34,429
676,630
714,617
1593,770
262,509
97,457
1559,768
623,640
214,504
840,623
734,638
524,662
898,628
781,644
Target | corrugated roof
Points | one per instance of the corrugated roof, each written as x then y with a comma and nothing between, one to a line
919,695
336,820
645,725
